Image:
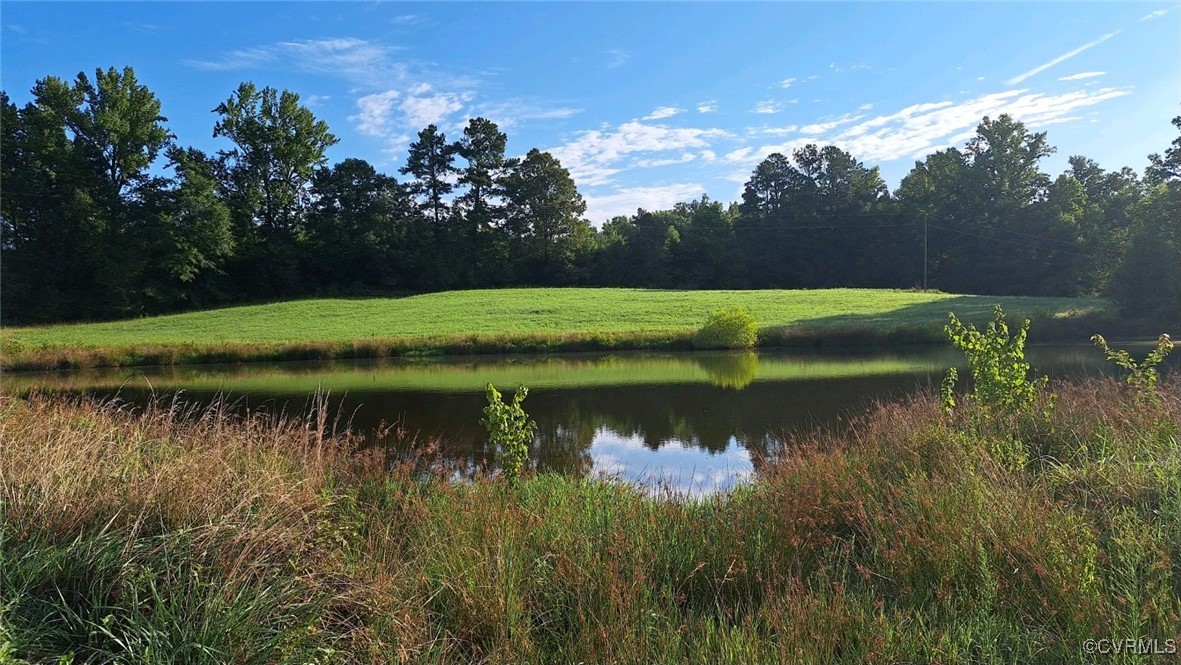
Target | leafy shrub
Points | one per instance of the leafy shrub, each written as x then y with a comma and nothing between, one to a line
510,430
1141,376
733,328
997,361
947,390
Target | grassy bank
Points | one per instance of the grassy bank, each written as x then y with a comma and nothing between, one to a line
156,537
513,320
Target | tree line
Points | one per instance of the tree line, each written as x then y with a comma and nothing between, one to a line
104,215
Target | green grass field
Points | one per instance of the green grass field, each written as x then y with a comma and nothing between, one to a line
501,311
548,317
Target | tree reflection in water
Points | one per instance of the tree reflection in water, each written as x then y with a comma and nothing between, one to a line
703,417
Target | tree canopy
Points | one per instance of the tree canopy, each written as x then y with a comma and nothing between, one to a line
105,215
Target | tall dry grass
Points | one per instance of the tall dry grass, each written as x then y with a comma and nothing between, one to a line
168,535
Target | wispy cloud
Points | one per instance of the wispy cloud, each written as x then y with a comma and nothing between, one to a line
142,27
425,106
616,57
358,60
709,106
787,83
666,161
375,113
512,112
600,208
825,126
595,156
920,129
396,114
1082,75
772,131
1060,59
1154,15
663,112
767,106
743,155
395,97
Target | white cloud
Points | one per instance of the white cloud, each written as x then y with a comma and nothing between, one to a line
740,155
375,113
512,112
394,113
663,112
709,155
616,57
1083,75
312,101
355,59
865,107
1154,15
917,130
786,83
776,131
1060,59
600,208
785,148
767,106
707,106
596,155
425,107
822,127
923,128
668,161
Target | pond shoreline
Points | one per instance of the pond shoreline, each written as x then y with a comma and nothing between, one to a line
1044,329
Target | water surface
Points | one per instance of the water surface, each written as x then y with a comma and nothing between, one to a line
686,422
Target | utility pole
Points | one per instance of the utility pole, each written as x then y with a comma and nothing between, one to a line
924,250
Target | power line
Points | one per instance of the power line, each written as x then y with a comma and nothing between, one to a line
1014,242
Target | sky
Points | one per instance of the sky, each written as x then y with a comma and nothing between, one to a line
646,104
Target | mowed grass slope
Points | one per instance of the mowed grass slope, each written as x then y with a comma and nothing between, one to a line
552,311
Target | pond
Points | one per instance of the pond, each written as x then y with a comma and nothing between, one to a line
680,422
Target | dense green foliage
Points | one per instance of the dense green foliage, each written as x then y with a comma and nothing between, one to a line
733,328
165,536
996,358
510,431
105,215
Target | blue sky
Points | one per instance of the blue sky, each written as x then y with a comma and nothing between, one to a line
646,104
